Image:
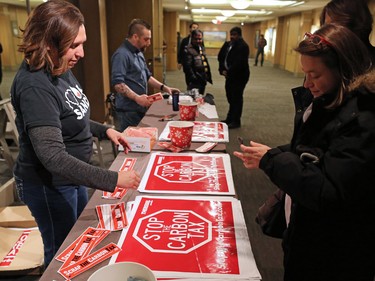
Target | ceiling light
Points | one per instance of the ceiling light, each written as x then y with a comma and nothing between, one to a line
221,18
274,3
208,2
239,12
228,13
298,3
240,4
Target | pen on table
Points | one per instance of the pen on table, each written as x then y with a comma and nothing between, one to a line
240,140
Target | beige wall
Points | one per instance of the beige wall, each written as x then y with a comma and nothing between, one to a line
372,9
171,27
11,18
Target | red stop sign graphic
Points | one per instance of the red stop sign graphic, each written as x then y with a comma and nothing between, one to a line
182,171
173,231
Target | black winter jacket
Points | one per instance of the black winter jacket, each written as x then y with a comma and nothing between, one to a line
237,60
194,68
331,234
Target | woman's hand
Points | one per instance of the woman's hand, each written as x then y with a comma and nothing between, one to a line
128,179
252,154
118,138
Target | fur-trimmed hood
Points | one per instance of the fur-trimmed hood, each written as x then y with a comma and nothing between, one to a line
365,81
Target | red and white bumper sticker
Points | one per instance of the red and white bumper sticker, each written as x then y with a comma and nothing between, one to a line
119,192
112,216
89,261
100,234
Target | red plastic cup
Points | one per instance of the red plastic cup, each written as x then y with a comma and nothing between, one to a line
181,133
188,110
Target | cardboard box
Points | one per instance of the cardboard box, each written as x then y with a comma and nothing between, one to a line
6,193
21,251
141,139
16,216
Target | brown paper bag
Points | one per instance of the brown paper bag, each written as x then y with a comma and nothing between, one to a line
20,250
16,216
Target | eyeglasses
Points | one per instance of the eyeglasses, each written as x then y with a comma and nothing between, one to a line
317,39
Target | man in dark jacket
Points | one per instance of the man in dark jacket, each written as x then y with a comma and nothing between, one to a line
234,66
262,42
195,63
184,43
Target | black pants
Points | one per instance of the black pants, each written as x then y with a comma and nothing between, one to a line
200,86
259,52
234,90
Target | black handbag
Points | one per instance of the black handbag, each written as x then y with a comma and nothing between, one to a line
271,215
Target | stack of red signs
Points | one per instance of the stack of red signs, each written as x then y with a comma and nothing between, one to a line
192,238
188,173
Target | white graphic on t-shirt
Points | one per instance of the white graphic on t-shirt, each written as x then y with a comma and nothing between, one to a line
77,101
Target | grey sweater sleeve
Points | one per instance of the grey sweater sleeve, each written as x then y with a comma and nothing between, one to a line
50,149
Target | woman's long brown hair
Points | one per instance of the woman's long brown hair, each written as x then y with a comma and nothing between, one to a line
48,34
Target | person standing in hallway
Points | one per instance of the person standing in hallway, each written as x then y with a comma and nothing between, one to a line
55,130
196,67
233,60
262,42
327,168
184,43
130,76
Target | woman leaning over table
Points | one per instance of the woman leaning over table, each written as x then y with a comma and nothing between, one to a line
328,168
52,169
